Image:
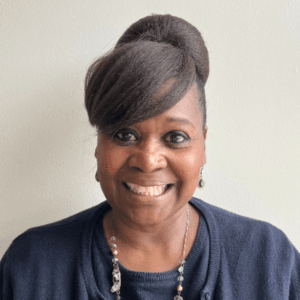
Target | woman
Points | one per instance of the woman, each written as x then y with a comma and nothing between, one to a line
151,239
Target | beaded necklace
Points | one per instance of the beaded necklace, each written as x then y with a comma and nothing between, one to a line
116,273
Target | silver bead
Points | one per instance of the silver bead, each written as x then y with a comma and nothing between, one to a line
113,239
180,269
178,297
180,278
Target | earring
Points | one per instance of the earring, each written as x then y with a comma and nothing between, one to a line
96,176
201,183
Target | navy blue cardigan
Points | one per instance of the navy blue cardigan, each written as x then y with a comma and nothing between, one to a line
233,258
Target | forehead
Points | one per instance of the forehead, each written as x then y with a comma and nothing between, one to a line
187,108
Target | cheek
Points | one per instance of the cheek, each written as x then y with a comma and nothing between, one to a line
110,160
189,166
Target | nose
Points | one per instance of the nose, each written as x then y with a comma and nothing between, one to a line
148,156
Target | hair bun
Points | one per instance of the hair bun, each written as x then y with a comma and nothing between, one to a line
174,31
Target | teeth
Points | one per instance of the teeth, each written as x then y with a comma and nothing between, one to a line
147,190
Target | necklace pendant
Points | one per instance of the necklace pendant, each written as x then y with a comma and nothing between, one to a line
116,279
116,287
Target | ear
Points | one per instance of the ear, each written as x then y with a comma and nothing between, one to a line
204,158
205,132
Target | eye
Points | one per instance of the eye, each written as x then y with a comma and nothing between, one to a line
177,138
126,135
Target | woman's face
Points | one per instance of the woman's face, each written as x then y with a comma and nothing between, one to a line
165,152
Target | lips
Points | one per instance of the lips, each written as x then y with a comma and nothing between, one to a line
146,190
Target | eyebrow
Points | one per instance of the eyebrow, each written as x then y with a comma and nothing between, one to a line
180,120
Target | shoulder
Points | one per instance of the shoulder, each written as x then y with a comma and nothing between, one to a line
246,245
243,233
49,253
234,224
54,241
254,253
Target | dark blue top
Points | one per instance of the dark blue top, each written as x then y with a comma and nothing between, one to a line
233,257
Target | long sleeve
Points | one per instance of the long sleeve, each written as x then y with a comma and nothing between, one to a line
5,282
295,277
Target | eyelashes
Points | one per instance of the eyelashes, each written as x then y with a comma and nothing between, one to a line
173,138
178,137
126,132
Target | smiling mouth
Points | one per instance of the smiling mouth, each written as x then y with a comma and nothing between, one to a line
147,190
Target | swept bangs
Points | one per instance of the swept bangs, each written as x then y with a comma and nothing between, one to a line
124,86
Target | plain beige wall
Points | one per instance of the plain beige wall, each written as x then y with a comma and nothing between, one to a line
47,146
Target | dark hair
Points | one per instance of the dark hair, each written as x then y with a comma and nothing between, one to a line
123,86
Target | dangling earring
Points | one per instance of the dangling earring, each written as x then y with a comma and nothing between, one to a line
201,183
96,176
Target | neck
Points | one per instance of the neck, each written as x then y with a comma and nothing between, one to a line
163,241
